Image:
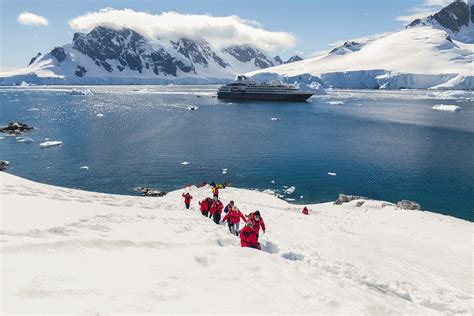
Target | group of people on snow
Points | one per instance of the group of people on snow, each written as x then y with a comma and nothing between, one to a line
213,208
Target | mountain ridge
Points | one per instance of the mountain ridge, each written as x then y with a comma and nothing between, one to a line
434,52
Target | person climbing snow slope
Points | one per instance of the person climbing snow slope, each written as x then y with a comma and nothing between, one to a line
216,210
187,199
234,215
250,233
204,207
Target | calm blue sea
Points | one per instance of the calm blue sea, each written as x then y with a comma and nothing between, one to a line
387,145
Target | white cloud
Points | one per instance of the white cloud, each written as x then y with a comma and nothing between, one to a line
427,8
219,31
27,18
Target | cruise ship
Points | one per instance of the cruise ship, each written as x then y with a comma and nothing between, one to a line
245,89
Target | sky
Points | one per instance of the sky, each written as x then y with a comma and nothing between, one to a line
284,27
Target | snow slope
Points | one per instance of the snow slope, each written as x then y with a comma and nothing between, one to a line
65,250
423,55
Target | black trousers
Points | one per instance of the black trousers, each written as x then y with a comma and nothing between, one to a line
216,217
187,205
204,213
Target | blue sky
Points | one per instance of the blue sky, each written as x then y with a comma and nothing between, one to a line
314,24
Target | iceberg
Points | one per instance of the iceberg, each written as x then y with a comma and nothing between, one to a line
51,143
446,107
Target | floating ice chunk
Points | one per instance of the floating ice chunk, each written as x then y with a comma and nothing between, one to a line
290,190
273,181
24,140
446,107
100,115
274,118
290,200
332,174
301,196
185,163
51,143
84,168
268,191
1,137
81,92
224,171
335,102
192,108
46,139
32,109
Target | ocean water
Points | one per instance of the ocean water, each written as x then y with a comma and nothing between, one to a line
387,145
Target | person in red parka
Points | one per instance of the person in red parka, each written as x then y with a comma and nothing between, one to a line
216,210
305,211
187,199
249,234
204,207
215,191
234,215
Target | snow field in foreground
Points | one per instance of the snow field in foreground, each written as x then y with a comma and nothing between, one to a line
66,250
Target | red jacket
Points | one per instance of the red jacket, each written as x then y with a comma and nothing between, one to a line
216,207
255,225
234,216
204,205
187,198
305,211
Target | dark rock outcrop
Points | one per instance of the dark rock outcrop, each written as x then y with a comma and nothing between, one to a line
80,71
59,54
343,198
278,60
408,205
293,59
32,61
150,192
452,17
15,128
246,53
4,164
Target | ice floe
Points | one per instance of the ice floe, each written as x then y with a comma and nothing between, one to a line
290,190
446,107
51,143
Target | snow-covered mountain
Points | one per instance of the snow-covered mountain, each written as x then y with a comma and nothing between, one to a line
434,52
109,56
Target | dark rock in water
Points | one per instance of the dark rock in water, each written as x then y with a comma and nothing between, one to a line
342,198
150,192
408,205
4,164
15,128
